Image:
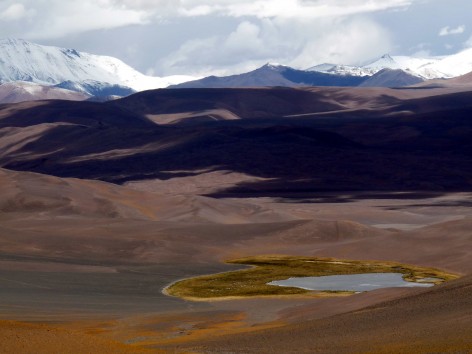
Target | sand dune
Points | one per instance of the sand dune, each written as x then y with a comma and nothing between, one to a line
49,197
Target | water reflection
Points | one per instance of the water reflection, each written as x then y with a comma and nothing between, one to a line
351,282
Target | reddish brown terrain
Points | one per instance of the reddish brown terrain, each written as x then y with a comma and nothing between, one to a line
13,92
105,204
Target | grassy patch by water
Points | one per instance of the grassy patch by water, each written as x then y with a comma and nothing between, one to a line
253,281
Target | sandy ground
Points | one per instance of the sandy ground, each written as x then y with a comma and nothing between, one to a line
17,337
387,210
86,261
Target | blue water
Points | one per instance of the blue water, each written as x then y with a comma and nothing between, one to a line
351,282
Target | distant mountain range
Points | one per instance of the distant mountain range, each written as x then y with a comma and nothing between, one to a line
42,72
280,75
275,75
386,71
426,68
93,75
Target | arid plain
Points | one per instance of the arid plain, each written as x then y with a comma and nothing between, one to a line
103,205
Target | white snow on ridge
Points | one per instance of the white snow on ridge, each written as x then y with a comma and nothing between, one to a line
412,63
343,70
24,61
426,68
31,88
385,61
450,66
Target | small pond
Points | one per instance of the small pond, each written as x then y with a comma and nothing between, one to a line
351,282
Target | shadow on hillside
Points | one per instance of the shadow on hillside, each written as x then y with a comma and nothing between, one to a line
300,158
322,197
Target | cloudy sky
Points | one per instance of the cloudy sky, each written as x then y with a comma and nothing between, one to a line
196,37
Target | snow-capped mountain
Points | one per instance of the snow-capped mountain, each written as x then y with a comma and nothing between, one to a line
96,88
274,75
426,68
449,66
21,60
405,63
345,70
409,64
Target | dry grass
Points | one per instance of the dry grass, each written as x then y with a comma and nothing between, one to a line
253,281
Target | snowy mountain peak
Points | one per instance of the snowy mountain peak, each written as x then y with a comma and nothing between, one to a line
386,57
21,60
274,66
14,42
425,68
344,70
9,41
384,62
448,67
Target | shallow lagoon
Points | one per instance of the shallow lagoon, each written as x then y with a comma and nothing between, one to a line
352,282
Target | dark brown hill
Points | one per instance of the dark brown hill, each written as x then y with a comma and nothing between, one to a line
242,103
391,78
304,140
463,80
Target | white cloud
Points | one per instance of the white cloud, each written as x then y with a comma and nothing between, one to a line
310,8
347,42
84,16
421,50
448,31
59,18
13,12
245,38
245,48
158,8
300,33
264,8
299,44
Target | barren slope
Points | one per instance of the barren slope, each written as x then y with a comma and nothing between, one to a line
437,320
20,91
75,249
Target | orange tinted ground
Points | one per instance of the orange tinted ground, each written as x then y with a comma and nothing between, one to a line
171,331
25,338
157,334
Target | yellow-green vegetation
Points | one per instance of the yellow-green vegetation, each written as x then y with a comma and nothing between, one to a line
253,281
